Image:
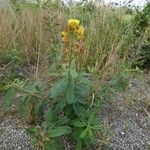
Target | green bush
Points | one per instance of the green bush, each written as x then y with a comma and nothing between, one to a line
142,31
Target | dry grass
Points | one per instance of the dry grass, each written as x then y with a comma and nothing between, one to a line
34,35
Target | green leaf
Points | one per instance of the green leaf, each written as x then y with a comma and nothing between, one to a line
32,131
76,132
58,88
48,116
62,121
83,134
125,75
54,145
8,99
79,145
91,118
92,137
112,82
73,73
79,110
77,123
50,146
23,101
38,110
61,103
59,131
96,127
70,97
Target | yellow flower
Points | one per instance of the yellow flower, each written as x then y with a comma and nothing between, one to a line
65,40
65,37
64,34
73,23
80,32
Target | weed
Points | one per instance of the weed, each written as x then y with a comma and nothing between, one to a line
73,78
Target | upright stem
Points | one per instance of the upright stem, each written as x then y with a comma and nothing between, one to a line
70,60
39,51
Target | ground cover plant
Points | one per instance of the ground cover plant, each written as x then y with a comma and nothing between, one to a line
61,64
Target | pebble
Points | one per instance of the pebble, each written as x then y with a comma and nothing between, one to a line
14,137
130,130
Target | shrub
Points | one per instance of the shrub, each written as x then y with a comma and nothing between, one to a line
142,32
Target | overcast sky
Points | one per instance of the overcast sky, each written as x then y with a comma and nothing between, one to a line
135,2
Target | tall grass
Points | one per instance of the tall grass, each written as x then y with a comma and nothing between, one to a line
33,34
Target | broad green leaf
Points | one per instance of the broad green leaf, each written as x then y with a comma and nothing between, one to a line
58,88
76,132
91,118
38,109
79,110
50,146
54,145
23,101
96,127
83,134
79,145
62,121
85,80
61,103
78,123
8,99
48,116
73,73
59,131
32,131
70,97
92,137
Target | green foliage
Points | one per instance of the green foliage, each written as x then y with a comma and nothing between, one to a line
141,21
58,131
65,109
12,56
8,99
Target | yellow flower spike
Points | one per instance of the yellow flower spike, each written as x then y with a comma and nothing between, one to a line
73,23
80,32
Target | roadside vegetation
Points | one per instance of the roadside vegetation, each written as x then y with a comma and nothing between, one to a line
59,65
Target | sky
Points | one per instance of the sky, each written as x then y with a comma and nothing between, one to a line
135,2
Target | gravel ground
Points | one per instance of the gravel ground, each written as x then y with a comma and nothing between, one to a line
13,135
127,118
